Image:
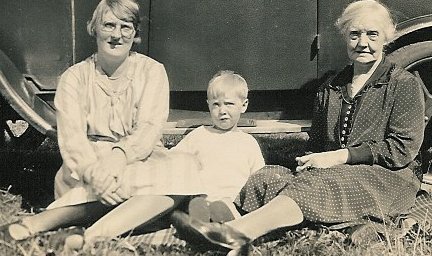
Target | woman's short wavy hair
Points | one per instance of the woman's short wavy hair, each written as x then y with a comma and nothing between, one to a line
359,8
126,10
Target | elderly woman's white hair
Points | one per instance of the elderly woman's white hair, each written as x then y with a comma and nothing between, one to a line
359,8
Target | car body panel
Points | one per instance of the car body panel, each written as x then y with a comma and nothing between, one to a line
281,47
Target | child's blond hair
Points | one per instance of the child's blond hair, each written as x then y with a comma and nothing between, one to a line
224,81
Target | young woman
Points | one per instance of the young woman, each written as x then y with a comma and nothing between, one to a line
111,109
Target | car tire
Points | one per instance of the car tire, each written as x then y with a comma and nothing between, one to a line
411,53
414,57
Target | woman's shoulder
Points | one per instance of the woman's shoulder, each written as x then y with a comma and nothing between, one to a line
399,80
80,67
77,76
144,61
400,73
389,71
399,76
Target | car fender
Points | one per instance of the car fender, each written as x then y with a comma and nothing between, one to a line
14,91
410,26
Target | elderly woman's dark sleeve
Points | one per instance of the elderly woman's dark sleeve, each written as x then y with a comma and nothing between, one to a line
405,126
316,138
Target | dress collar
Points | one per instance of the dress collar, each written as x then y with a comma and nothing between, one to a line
128,69
380,76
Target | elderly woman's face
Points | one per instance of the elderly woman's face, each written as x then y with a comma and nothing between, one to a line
114,36
365,38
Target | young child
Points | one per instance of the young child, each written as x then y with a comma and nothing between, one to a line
227,155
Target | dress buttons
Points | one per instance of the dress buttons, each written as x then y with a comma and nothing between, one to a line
342,139
349,107
343,132
343,146
348,112
346,118
345,125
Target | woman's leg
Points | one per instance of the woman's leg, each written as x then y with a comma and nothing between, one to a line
282,211
136,211
81,214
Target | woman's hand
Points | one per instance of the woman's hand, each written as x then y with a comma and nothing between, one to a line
106,178
322,160
114,163
114,195
106,186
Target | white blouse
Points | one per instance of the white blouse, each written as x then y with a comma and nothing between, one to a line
96,113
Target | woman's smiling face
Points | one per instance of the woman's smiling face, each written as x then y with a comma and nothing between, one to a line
114,36
365,38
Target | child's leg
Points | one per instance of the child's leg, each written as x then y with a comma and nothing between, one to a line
58,217
136,211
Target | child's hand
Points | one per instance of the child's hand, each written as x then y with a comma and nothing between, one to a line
322,160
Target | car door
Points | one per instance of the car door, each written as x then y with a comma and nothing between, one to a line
271,43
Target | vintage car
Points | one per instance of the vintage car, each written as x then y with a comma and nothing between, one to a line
283,48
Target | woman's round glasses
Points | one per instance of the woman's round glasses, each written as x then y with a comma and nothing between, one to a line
125,29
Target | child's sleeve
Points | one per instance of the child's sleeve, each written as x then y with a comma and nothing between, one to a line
257,159
185,144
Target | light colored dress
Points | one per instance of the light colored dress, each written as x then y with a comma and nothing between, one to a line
96,113
227,159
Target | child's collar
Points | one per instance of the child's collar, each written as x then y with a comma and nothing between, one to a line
218,130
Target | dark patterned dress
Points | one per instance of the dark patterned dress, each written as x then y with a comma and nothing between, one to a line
382,127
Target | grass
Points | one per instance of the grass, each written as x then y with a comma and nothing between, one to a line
306,241
36,169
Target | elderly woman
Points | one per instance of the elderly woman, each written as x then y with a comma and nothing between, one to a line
366,131
111,108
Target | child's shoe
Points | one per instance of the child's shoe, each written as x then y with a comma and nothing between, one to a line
220,212
199,209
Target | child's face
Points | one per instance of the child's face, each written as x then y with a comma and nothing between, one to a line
225,110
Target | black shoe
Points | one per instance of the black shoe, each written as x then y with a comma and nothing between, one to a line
209,236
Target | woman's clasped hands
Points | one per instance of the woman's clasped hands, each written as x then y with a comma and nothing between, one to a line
322,159
105,178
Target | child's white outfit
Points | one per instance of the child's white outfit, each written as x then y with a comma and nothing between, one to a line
96,113
227,159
